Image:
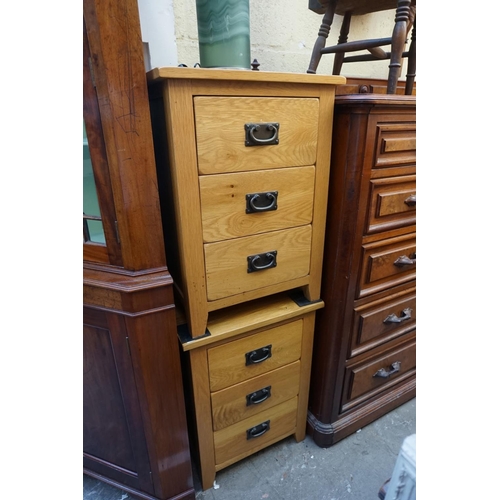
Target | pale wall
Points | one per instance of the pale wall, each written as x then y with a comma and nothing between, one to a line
282,35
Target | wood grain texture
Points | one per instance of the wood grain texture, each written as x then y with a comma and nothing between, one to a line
251,316
360,383
225,75
378,270
180,90
221,142
325,123
183,162
202,407
227,264
116,52
305,375
230,405
227,362
231,443
349,329
370,328
223,201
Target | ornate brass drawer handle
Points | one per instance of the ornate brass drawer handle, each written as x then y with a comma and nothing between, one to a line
258,355
258,430
257,134
259,396
403,260
262,261
411,201
383,373
255,202
393,318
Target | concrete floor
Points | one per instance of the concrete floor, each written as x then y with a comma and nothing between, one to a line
353,469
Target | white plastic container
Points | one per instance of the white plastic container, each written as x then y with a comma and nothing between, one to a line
402,485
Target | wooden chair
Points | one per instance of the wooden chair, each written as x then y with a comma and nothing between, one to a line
404,22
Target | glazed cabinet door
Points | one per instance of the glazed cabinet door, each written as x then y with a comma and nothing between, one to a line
113,439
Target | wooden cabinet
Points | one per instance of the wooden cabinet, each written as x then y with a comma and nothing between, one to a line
135,434
364,355
243,160
250,379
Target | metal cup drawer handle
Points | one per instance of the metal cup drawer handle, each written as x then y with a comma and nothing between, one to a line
258,430
262,261
261,134
383,373
261,202
258,355
259,396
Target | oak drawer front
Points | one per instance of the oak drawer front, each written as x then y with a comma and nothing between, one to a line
396,144
393,203
247,203
255,395
371,376
387,263
251,356
253,262
375,324
267,426
221,134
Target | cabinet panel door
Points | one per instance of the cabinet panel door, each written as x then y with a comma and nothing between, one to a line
113,441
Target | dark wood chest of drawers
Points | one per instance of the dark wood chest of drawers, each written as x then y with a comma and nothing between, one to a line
364,362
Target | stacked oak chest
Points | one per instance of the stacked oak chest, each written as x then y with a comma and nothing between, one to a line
243,162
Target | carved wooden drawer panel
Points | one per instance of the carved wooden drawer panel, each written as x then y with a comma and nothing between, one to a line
384,320
395,144
369,376
222,122
392,203
387,263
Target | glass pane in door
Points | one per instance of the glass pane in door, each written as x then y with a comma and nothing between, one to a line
92,221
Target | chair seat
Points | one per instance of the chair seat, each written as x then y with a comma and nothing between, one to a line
357,7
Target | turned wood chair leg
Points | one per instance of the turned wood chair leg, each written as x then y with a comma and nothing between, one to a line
323,33
398,43
412,61
344,32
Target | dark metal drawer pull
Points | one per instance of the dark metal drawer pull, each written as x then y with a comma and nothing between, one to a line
259,355
255,202
383,373
259,396
257,134
262,261
258,430
411,201
403,260
393,318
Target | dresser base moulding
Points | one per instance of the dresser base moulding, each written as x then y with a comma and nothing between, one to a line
327,434
187,495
